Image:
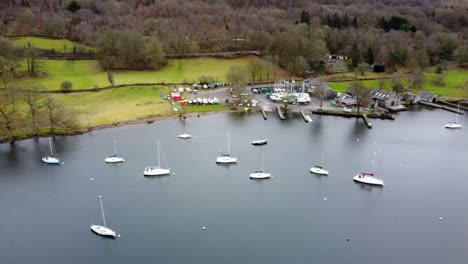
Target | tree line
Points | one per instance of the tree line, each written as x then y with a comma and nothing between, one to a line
296,35
31,111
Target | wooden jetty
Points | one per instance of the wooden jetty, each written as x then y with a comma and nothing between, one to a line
366,121
264,114
454,106
365,117
445,107
280,113
306,118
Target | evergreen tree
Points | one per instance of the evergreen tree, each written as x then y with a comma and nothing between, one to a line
336,23
370,55
354,23
355,56
305,17
345,21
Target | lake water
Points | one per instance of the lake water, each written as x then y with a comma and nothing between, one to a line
46,210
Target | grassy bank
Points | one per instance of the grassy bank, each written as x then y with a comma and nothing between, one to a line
88,73
116,106
59,45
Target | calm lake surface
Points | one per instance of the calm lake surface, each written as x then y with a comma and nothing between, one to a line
46,210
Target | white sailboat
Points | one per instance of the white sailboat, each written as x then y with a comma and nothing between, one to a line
114,158
260,174
103,230
319,169
368,177
454,124
156,170
51,159
184,135
226,158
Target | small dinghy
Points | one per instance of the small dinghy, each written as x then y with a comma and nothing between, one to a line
260,142
215,100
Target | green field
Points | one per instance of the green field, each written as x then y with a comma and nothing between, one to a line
116,105
454,83
59,45
88,74
455,79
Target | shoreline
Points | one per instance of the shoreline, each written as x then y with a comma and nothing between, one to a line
147,120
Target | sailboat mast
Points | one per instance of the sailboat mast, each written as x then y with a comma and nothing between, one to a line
50,146
322,160
373,162
102,211
262,161
229,149
115,148
159,156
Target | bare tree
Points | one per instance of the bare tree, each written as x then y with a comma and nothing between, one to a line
57,114
255,69
362,93
33,62
237,76
417,78
363,67
320,92
8,113
33,99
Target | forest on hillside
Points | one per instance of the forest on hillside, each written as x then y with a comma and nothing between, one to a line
295,34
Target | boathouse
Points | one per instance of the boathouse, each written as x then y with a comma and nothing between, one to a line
312,84
428,97
386,100
411,98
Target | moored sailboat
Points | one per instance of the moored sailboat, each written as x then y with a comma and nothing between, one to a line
156,170
51,159
103,230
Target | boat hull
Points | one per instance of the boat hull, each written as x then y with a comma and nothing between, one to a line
51,160
114,159
368,180
103,231
260,175
226,160
319,171
184,136
453,125
154,171
259,142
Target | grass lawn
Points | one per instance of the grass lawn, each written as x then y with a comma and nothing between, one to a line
88,74
116,105
343,86
455,79
59,45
